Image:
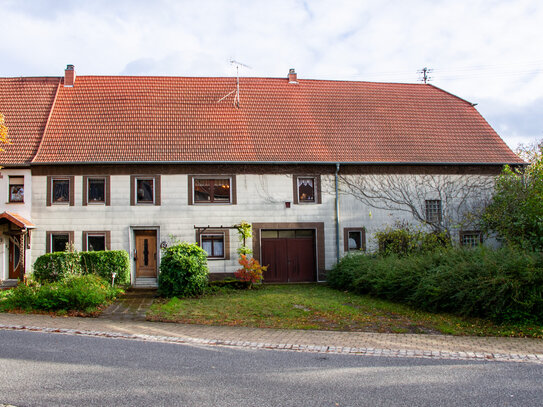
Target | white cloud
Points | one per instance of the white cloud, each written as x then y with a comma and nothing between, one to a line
481,50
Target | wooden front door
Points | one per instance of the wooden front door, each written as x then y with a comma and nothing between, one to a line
290,255
146,253
15,260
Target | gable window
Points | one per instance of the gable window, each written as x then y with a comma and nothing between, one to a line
145,190
60,191
219,190
354,239
471,238
57,241
96,241
16,189
307,189
433,211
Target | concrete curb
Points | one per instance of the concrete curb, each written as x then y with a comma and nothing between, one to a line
401,353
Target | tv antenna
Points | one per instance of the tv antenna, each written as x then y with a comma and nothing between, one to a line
425,72
236,91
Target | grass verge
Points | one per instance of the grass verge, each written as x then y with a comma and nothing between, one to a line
313,306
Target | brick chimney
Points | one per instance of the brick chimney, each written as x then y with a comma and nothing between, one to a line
292,77
69,76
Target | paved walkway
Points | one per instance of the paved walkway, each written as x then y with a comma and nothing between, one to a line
126,319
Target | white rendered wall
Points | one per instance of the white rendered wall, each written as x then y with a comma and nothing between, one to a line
260,199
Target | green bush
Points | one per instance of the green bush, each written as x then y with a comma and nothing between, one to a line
504,285
76,293
183,271
104,263
403,240
57,266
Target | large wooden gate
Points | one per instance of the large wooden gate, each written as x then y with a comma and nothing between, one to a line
290,255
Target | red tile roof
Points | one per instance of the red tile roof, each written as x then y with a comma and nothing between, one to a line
171,119
16,219
25,103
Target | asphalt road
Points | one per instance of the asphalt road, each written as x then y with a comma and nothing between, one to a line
52,369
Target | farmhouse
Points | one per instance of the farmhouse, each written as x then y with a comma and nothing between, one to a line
135,163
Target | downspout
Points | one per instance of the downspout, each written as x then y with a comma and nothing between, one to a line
337,212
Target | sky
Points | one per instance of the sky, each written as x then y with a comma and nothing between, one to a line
489,52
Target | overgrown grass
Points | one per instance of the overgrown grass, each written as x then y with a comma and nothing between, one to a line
312,306
80,295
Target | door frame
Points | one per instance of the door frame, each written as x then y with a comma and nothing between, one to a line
11,258
318,227
132,247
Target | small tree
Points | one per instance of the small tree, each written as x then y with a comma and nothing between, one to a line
516,210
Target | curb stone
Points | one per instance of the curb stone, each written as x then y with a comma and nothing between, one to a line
400,353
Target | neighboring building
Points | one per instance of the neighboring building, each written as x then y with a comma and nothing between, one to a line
131,163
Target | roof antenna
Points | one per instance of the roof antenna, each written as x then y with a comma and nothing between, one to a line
424,72
236,97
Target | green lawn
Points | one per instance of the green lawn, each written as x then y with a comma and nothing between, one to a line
313,306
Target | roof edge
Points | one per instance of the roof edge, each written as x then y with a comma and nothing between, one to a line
430,163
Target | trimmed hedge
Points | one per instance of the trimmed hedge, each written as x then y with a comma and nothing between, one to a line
58,266
504,285
183,271
104,263
52,267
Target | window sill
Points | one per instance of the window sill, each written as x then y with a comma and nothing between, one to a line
15,203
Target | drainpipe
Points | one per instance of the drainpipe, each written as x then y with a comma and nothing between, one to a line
337,212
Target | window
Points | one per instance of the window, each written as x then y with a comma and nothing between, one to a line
354,239
306,189
213,245
96,190
212,190
60,191
433,211
96,241
145,190
471,238
215,242
57,241
16,189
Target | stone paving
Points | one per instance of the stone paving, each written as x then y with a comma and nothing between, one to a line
125,319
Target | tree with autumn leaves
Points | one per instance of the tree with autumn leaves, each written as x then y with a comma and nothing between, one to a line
3,131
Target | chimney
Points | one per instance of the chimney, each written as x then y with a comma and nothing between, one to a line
292,78
69,76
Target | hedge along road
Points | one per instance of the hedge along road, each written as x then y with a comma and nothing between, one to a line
45,369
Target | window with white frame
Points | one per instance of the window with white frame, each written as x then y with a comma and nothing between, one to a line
213,245
60,190
96,190
16,189
145,190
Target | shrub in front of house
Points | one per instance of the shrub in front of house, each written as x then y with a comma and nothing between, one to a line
403,239
84,293
52,267
57,266
105,263
504,285
183,271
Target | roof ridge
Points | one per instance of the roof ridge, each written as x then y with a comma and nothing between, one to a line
47,122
